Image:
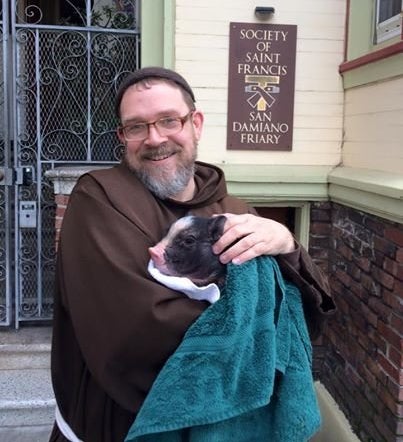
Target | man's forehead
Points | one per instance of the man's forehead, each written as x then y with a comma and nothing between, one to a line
137,104
156,84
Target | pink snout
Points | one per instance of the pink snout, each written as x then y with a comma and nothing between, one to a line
157,255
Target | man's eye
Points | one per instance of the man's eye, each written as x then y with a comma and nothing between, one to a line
136,128
168,122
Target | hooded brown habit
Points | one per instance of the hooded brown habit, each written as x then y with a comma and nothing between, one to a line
114,326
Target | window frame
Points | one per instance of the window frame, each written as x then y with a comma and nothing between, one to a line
389,28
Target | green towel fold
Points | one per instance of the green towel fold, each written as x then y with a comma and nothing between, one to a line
242,372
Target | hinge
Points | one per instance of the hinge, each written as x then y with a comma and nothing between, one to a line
6,176
19,175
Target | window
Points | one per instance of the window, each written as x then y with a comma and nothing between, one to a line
388,19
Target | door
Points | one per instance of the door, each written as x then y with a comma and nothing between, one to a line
62,62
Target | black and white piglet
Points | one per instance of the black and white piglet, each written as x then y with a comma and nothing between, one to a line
186,250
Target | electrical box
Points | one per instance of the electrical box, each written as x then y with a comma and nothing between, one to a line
28,214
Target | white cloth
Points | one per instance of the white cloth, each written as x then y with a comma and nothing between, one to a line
64,427
210,292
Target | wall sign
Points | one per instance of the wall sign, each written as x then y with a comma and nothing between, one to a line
261,86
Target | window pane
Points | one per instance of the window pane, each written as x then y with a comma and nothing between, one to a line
389,8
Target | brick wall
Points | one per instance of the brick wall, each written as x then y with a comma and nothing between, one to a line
360,356
61,204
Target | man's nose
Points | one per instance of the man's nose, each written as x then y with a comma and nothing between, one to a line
154,137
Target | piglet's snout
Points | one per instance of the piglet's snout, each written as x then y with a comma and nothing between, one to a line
157,255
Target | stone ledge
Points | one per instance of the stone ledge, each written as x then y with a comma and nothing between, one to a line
368,180
367,190
64,178
26,433
26,336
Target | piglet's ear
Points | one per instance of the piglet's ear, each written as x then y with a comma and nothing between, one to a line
216,227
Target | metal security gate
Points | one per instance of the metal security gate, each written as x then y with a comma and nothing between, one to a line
61,62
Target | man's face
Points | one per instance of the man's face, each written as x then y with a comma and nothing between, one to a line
163,163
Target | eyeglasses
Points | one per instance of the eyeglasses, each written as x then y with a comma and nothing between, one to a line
165,126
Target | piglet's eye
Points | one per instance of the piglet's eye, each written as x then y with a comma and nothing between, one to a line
189,240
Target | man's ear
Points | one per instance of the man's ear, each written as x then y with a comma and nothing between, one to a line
215,227
197,121
120,135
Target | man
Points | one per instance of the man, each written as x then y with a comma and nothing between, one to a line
114,326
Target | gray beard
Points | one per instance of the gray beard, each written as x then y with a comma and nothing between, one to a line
166,187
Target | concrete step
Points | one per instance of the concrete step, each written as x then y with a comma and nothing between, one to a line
21,356
26,402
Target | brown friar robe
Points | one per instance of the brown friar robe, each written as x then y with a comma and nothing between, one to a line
114,326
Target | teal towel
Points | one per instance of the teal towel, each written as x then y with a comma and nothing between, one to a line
242,372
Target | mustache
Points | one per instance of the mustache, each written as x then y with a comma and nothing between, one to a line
163,150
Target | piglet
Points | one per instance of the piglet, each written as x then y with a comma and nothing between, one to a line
186,250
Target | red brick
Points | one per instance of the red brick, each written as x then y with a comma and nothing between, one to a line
399,255
397,323
321,242
344,278
399,412
383,278
389,335
388,400
385,247
388,435
378,340
395,356
60,211
363,263
359,291
369,315
390,266
345,252
395,390
395,234
393,299
375,225
370,285
321,228
58,223
62,199
399,273
320,215
369,377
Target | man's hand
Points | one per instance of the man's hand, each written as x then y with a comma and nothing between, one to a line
255,236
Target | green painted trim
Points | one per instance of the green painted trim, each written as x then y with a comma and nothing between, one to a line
303,224
265,183
369,180
278,192
152,38
360,28
380,70
158,33
169,33
375,192
263,173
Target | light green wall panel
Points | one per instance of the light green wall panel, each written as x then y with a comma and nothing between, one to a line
157,33
360,29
